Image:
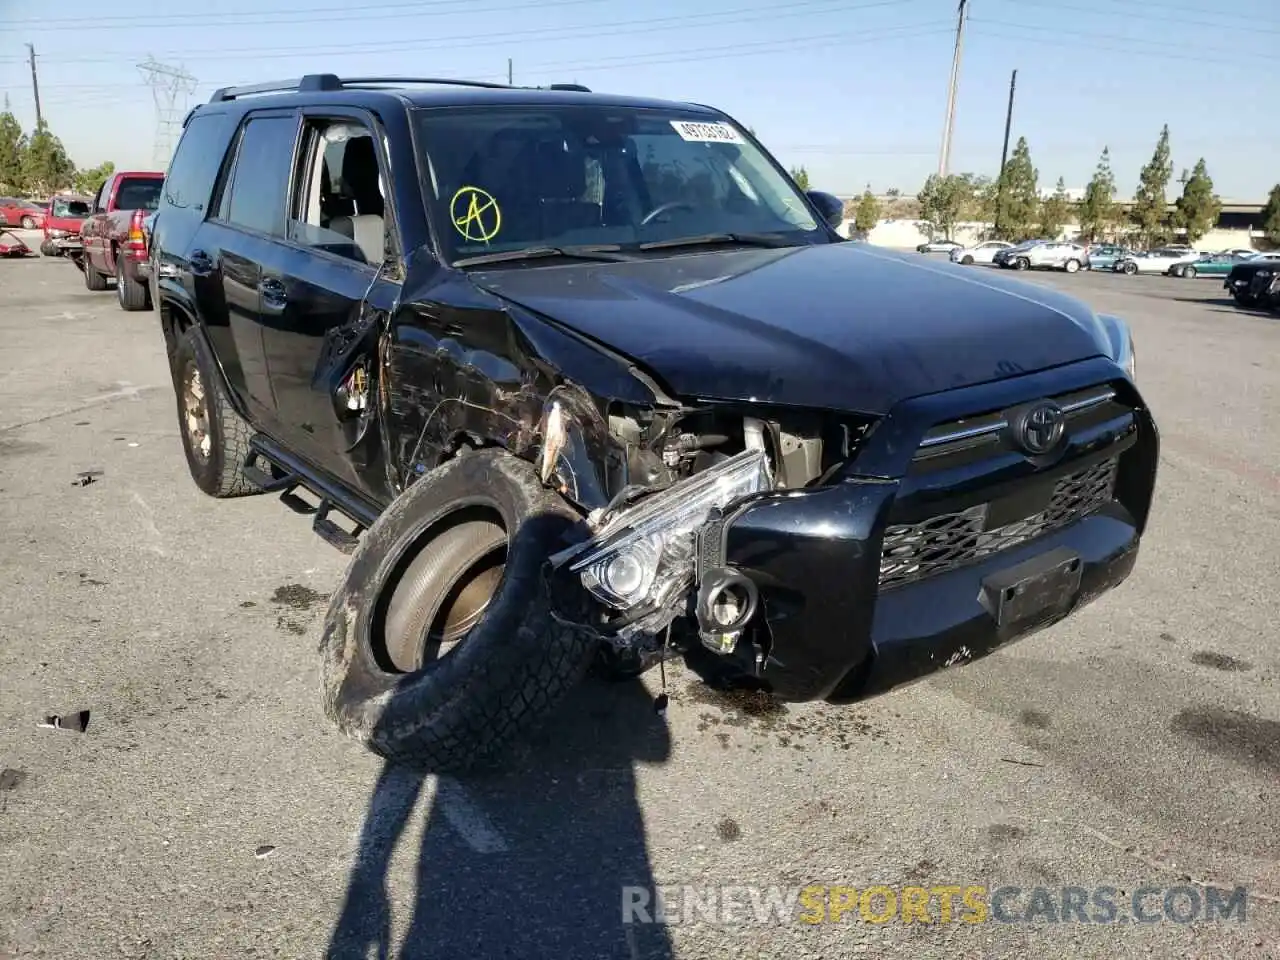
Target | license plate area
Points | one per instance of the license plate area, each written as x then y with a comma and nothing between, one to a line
1042,588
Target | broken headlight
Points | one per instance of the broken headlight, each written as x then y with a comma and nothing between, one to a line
644,555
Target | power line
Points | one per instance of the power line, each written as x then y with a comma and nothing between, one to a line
1163,14
688,54
168,85
982,30
1173,48
492,38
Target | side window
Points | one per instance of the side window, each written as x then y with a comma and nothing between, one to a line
100,198
339,204
255,197
189,181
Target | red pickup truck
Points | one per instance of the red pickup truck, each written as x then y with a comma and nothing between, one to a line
114,243
62,225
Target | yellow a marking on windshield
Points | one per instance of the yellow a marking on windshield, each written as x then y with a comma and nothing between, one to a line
475,214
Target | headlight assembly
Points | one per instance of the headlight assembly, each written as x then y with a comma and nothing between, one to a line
642,557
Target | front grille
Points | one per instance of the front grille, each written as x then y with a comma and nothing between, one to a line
914,551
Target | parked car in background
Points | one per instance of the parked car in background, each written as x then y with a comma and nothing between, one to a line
937,246
113,240
1047,255
1103,256
1249,280
1005,257
1207,265
16,212
982,253
1154,261
62,226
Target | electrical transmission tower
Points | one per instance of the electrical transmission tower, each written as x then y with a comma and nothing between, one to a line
170,87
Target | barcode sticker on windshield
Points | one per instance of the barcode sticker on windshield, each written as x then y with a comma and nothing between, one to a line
707,132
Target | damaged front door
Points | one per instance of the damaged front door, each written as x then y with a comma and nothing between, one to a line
326,296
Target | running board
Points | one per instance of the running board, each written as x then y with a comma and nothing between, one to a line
296,475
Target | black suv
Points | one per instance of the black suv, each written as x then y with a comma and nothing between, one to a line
1251,283
588,378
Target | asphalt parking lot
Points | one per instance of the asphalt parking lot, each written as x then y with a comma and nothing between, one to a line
209,811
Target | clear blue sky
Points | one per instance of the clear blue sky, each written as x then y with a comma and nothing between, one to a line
853,89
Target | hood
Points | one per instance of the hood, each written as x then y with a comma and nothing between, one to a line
837,326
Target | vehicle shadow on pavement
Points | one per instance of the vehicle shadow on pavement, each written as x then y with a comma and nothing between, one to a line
527,859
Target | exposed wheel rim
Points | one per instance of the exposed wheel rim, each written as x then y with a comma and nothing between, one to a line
195,413
1022,264
1130,269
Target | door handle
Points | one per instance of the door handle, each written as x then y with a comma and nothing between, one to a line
201,263
273,292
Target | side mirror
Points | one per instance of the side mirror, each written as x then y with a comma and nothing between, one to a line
831,207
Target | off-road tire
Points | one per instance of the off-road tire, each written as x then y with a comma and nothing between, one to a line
219,474
93,280
513,666
131,294
47,249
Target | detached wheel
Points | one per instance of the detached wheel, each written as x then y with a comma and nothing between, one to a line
47,249
131,294
440,646
214,437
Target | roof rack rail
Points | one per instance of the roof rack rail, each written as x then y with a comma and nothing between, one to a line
316,82
311,83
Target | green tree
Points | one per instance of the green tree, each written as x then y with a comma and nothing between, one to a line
945,200
867,213
1054,212
45,165
1198,207
801,176
1150,205
13,147
89,181
1271,215
1098,209
1017,203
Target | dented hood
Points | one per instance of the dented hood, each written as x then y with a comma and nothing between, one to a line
834,326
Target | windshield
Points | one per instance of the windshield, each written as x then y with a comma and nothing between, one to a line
70,208
509,178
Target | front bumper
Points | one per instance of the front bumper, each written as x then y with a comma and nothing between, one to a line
834,633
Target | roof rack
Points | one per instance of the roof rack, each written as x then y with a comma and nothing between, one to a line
317,82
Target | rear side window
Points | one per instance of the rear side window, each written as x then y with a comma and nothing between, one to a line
192,173
260,181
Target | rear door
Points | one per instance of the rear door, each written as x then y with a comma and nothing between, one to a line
325,290
227,254
91,233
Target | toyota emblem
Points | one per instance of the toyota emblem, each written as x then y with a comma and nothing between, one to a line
1040,429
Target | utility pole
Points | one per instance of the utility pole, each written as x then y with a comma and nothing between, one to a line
168,84
945,160
1004,151
509,81
35,86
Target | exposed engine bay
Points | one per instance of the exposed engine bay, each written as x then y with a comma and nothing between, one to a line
654,563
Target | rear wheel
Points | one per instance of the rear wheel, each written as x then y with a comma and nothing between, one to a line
440,646
214,437
1072,266
131,294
